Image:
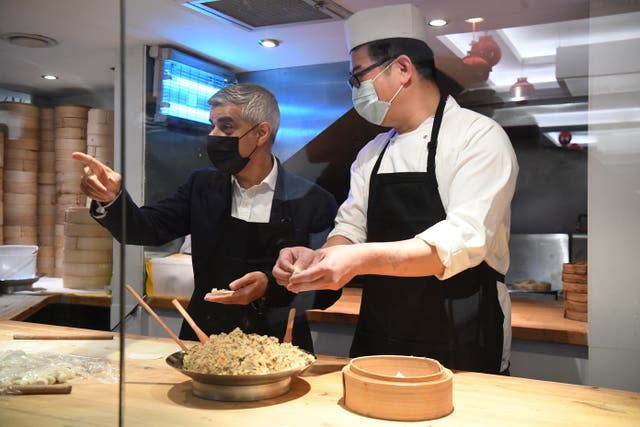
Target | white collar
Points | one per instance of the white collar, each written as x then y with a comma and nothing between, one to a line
269,180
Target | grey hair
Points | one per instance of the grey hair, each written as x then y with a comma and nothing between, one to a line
256,104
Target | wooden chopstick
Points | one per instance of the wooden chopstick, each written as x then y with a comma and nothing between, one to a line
40,389
288,331
155,316
71,336
199,332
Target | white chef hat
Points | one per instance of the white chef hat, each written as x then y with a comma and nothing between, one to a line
386,22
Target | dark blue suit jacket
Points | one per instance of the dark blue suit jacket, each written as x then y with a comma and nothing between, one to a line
202,204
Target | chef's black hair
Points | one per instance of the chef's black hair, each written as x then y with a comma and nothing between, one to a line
418,51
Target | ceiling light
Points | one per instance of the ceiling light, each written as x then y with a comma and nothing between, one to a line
474,20
50,77
28,40
269,43
438,22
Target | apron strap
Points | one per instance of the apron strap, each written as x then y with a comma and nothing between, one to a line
435,130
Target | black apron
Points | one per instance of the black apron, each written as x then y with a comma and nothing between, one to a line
457,321
242,247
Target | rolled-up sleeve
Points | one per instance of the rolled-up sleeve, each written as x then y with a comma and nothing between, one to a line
476,191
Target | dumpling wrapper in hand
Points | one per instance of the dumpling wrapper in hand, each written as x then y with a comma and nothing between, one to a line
216,291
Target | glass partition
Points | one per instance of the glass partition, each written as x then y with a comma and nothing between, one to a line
128,86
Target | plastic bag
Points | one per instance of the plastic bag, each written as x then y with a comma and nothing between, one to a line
20,368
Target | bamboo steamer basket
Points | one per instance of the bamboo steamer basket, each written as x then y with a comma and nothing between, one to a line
47,199
85,268
48,178
24,182
46,259
576,291
47,195
48,145
399,388
100,116
71,133
21,119
20,159
100,135
20,235
71,122
99,129
11,152
46,161
32,144
105,155
20,209
86,282
46,119
3,133
89,243
576,296
26,110
79,111
20,214
21,165
100,140
46,239
66,146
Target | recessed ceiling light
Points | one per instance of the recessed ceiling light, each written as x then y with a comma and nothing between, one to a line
28,40
269,43
438,22
50,77
474,20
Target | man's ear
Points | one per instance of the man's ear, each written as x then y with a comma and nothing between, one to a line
264,133
406,68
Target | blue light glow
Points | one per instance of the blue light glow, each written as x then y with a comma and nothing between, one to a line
185,91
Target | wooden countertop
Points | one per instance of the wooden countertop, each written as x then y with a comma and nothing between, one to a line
531,319
156,394
21,306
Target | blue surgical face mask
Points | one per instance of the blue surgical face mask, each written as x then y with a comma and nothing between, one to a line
366,102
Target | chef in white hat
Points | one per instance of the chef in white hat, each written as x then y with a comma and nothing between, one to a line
428,214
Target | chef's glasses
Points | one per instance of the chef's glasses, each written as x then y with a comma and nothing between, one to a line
354,78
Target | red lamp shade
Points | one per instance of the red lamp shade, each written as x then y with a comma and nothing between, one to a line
564,137
486,48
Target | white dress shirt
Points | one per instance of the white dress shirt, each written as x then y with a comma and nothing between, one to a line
253,204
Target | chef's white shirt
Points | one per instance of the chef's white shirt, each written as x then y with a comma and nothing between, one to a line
253,204
476,170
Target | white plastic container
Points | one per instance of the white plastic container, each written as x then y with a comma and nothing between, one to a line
170,276
18,262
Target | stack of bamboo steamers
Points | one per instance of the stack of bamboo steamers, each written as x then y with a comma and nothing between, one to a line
40,188
575,289
20,173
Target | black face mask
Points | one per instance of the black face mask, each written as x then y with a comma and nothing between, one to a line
224,152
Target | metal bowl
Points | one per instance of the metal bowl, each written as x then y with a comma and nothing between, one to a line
236,388
16,285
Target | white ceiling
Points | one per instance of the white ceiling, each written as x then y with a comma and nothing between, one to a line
88,36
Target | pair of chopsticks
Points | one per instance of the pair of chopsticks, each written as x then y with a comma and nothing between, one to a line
202,337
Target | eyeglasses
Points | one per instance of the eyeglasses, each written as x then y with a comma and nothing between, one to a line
354,78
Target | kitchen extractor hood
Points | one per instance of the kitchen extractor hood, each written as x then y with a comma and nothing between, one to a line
256,14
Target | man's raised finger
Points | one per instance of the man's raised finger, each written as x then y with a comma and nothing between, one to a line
94,164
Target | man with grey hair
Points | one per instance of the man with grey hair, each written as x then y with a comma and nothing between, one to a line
240,214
